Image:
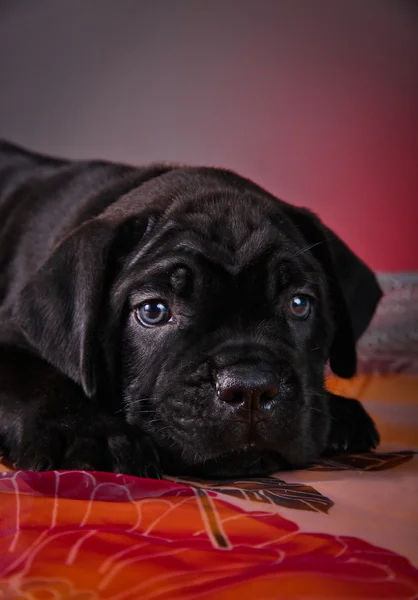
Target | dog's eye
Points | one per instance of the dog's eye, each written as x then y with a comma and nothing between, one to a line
299,307
152,313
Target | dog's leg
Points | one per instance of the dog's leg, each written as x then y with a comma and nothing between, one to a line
46,422
351,428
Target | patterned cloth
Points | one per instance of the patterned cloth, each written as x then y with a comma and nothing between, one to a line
344,528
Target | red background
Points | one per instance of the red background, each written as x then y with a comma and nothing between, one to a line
316,101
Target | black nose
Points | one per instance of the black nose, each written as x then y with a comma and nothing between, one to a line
242,386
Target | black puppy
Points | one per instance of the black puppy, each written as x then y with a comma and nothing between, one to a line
171,319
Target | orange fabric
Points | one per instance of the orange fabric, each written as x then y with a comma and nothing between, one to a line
345,528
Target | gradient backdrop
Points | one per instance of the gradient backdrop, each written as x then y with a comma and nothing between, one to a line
316,100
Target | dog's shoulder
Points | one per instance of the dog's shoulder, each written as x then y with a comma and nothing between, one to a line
18,165
14,160
43,199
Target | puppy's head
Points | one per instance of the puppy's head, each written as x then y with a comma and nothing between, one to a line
212,310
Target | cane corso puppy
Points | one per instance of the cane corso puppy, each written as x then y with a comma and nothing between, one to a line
171,319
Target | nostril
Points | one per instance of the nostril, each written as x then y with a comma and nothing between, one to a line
249,387
268,393
232,395
253,396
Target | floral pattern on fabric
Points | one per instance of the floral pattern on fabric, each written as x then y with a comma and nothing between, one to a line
83,536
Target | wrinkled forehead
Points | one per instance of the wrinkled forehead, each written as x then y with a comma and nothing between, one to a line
224,237
239,225
218,209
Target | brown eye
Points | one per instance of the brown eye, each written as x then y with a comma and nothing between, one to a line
299,307
152,313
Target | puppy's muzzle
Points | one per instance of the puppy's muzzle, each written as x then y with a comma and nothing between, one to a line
249,391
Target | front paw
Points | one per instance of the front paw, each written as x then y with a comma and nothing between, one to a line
43,451
106,445
352,430
132,452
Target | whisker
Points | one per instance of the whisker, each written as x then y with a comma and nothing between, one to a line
153,421
142,411
138,400
324,413
163,429
308,248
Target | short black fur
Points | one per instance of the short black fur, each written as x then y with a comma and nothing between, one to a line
232,384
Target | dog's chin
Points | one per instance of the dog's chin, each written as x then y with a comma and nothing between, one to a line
249,461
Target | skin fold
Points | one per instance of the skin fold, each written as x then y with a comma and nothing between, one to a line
171,319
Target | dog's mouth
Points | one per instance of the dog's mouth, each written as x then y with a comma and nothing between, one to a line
247,420
250,442
249,460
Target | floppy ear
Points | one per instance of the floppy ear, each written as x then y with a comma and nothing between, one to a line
58,310
354,288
